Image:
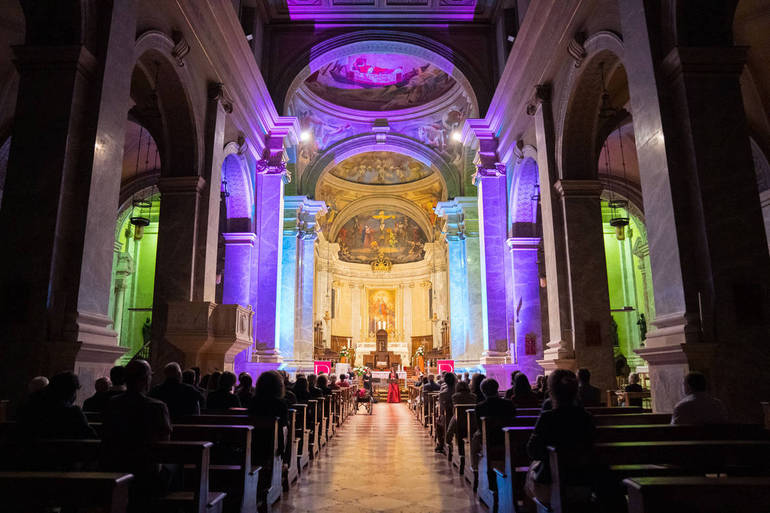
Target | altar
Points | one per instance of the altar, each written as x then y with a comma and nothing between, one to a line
382,358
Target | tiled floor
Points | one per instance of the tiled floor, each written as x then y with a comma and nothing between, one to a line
382,462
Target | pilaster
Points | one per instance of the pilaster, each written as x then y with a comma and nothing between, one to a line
528,343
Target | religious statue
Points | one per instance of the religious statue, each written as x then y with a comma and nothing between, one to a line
147,331
642,323
614,332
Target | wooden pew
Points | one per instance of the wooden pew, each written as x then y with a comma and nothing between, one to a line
302,434
460,439
313,425
24,491
656,459
230,462
432,402
196,455
471,471
492,456
511,477
265,453
290,453
697,494
607,420
593,410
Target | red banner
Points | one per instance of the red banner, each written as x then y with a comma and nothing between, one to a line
445,365
323,368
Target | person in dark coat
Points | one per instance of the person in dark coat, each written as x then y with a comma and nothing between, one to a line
523,396
180,398
268,403
301,389
588,395
223,397
244,391
98,402
50,412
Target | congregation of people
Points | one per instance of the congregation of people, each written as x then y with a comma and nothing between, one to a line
566,404
132,415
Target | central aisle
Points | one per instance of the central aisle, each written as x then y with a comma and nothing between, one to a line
381,462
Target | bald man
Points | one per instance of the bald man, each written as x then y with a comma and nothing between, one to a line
180,398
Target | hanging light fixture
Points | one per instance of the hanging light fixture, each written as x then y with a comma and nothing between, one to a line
619,207
606,110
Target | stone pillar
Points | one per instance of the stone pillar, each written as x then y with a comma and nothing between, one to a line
407,318
558,352
526,301
709,261
490,180
584,234
56,281
296,287
239,252
460,232
271,177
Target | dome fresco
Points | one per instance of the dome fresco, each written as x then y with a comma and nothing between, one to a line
381,168
379,82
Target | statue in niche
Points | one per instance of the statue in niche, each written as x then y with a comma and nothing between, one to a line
147,330
642,323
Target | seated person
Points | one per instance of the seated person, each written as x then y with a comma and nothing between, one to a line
493,407
315,392
509,392
462,395
118,380
323,384
223,397
244,391
343,382
333,382
634,386
180,398
476,380
50,412
132,423
566,426
428,387
523,396
588,395
301,389
98,401
698,407
446,409
268,402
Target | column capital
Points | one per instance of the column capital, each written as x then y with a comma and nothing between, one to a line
217,92
175,185
241,238
308,218
541,95
452,211
523,243
273,161
579,188
496,170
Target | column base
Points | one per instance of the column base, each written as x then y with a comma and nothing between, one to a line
495,358
298,366
92,362
500,372
550,365
256,368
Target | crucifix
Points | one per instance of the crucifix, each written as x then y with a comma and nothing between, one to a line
382,217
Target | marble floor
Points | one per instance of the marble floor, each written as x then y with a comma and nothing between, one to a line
382,462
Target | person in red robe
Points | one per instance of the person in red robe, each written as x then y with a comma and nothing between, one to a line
394,394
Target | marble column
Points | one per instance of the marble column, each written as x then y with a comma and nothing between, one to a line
526,301
559,350
709,260
297,276
271,177
239,249
407,317
57,278
491,182
587,278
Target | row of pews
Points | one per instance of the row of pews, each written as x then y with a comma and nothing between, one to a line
662,467
231,462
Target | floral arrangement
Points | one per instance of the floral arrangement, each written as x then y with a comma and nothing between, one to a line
360,370
344,352
420,351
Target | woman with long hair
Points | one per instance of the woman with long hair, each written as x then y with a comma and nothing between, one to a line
394,394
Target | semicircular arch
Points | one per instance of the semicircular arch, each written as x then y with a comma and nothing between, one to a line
368,203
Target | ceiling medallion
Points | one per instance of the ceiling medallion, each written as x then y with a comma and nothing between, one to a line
382,263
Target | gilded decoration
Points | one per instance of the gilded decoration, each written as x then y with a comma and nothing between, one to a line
381,168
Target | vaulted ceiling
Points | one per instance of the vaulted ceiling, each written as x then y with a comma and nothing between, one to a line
357,10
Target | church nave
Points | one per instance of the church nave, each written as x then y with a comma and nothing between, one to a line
382,462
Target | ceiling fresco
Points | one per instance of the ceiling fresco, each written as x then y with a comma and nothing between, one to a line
377,232
381,168
379,82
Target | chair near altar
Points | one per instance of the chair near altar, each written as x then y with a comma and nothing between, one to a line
382,359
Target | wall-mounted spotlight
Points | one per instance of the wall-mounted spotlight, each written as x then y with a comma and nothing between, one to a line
305,135
457,136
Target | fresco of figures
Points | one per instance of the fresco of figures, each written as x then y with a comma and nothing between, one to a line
381,168
379,82
365,236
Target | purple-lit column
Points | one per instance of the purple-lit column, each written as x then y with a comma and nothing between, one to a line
491,183
526,302
271,177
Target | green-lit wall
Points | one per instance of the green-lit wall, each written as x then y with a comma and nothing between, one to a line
629,281
132,309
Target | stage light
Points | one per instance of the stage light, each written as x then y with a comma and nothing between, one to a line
304,136
457,136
